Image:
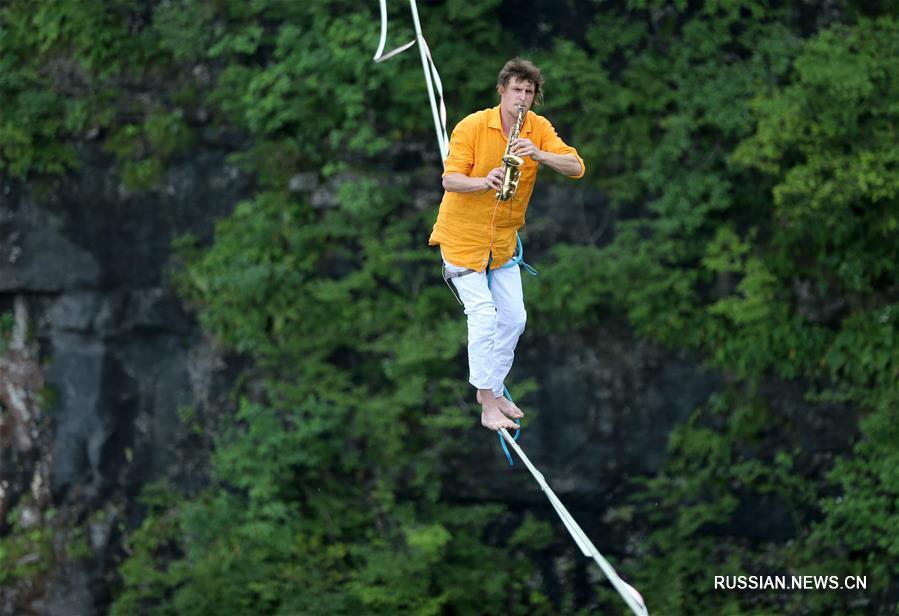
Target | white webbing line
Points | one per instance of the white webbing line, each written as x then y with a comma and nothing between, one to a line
630,595
432,78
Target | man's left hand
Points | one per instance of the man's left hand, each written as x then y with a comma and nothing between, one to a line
525,147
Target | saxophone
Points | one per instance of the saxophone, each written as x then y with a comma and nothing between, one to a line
511,163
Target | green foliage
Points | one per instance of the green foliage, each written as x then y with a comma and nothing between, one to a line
78,546
328,495
7,322
754,175
723,457
26,554
336,467
749,154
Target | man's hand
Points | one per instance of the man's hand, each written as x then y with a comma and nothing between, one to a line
525,147
494,179
566,164
458,182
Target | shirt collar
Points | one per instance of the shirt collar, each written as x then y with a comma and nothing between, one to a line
495,121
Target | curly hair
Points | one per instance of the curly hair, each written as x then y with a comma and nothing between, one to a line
524,70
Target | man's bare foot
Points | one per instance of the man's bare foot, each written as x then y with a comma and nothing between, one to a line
491,415
495,420
506,406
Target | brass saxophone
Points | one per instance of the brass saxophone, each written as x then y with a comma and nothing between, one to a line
511,163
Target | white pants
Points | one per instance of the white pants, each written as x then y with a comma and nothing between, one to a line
496,319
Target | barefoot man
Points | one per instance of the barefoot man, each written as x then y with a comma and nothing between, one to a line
475,230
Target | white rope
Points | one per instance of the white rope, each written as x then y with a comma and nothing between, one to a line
630,595
432,77
379,57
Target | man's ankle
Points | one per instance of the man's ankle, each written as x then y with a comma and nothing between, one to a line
485,396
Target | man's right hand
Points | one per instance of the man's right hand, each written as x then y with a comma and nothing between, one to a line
494,179
458,182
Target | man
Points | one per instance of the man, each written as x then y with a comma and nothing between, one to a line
475,230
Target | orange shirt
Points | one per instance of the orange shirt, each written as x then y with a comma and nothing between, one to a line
472,225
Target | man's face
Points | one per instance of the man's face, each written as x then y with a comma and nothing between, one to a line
516,92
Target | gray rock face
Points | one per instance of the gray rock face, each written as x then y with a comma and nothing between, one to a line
37,256
608,404
119,356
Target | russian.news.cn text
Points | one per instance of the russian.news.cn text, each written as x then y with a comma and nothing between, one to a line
790,582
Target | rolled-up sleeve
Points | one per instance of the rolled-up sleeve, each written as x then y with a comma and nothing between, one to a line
461,150
551,142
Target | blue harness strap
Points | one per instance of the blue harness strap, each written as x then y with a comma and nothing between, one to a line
517,259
